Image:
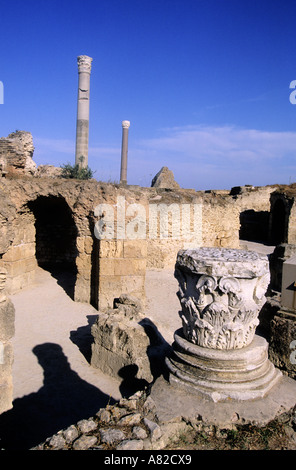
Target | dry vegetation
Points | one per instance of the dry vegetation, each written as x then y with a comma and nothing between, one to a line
277,435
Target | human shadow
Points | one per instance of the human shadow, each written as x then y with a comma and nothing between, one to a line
83,338
63,400
157,350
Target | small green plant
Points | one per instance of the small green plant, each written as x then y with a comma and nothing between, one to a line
76,171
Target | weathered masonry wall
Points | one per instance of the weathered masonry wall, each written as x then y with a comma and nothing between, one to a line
107,268
6,351
19,260
34,211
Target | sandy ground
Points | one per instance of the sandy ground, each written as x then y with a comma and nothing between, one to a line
54,384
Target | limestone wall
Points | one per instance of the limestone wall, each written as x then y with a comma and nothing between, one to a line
6,351
292,225
16,152
150,225
19,260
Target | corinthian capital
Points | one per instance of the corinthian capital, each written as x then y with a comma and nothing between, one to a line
84,63
126,124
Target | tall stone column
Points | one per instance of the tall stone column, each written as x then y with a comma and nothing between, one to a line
124,151
82,126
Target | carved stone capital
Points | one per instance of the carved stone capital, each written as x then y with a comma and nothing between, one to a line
221,292
84,63
126,124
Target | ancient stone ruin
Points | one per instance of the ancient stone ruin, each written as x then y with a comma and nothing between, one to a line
16,154
108,235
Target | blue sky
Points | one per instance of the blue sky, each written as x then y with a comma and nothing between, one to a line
205,84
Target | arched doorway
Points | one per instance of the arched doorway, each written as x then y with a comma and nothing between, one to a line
254,226
278,222
56,235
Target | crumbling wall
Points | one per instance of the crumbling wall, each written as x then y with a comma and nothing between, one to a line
6,351
19,260
147,232
16,152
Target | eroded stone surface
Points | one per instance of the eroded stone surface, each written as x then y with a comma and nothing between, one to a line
221,292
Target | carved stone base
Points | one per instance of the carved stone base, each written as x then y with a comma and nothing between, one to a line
239,374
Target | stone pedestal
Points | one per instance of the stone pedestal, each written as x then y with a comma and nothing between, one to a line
217,353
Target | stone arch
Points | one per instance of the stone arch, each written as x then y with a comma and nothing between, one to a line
56,235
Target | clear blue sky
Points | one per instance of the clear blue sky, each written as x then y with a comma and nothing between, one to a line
205,84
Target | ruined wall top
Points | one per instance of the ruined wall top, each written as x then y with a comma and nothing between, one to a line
16,153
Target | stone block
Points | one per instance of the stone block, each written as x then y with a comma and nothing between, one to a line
109,283
107,266
82,290
83,262
25,234
18,282
80,244
6,390
129,267
135,249
19,252
133,284
120,342
111,248
6,360
288,291
282,347
88,245
7,318
21,266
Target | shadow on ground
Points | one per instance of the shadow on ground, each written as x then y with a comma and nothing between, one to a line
83,338
65,277
63,400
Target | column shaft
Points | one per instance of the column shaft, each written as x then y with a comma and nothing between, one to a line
124,152
82,125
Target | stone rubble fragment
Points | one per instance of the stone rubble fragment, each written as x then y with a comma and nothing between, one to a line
84,442
103,431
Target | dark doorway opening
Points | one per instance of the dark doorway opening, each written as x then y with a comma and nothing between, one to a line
254,226
278,223
56,235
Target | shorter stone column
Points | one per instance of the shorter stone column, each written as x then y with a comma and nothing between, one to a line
124,152
217,353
